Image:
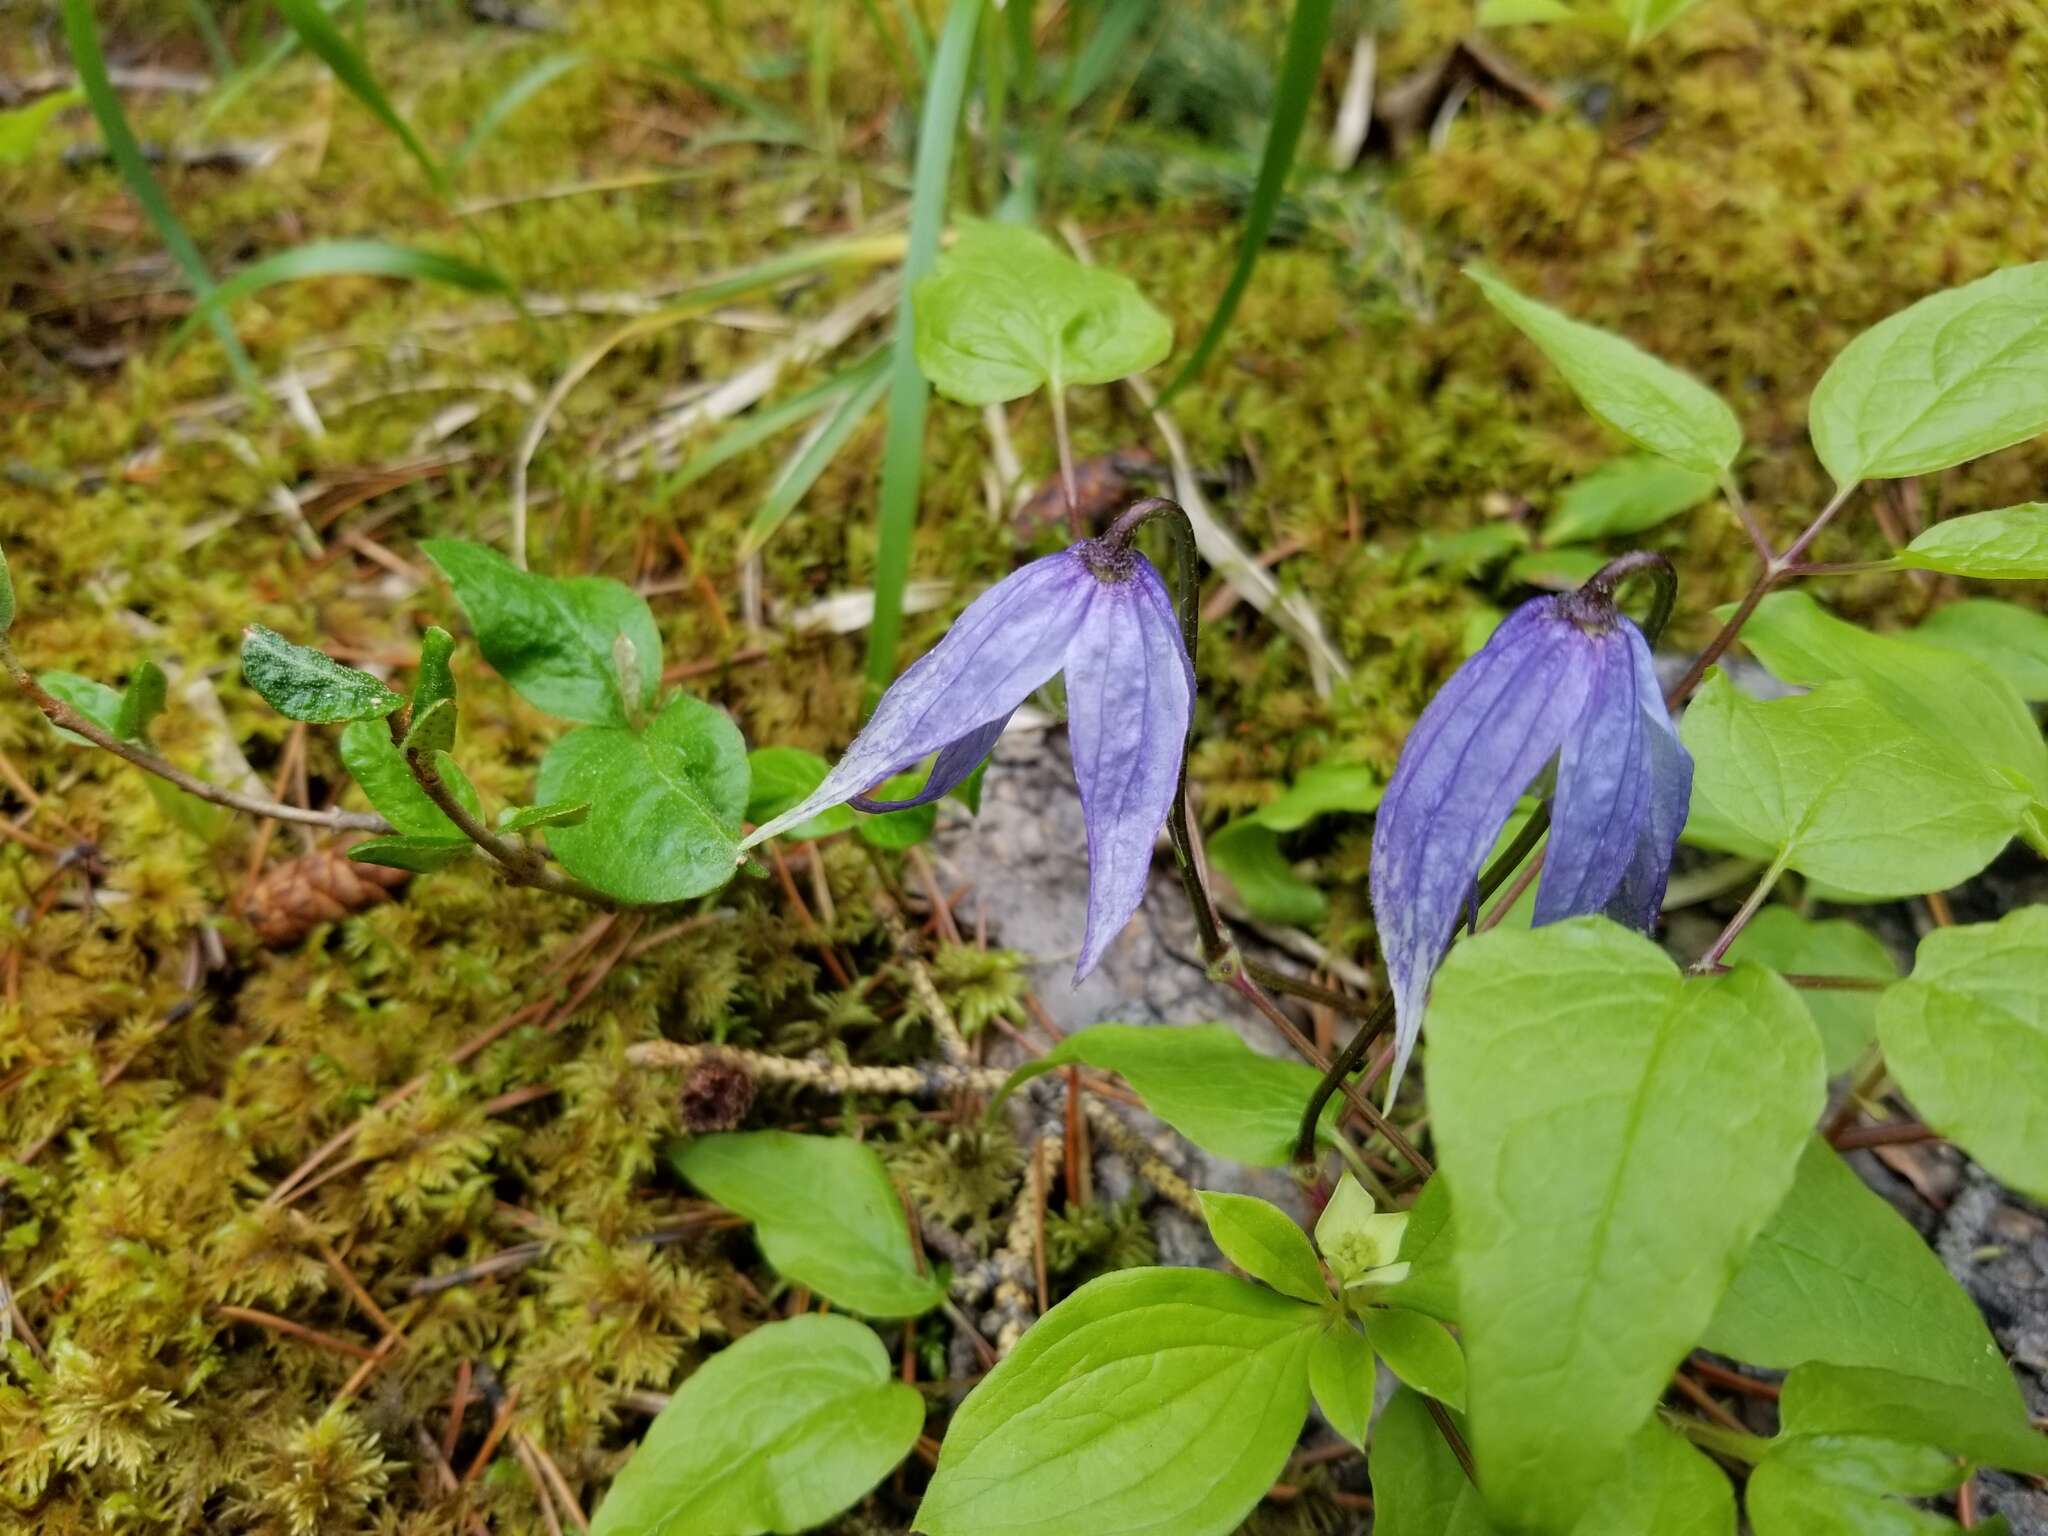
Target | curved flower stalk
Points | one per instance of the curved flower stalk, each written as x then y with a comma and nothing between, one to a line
1564,678
1097,611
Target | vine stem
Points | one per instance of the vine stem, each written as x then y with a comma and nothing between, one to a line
1711,960
64,717
522,865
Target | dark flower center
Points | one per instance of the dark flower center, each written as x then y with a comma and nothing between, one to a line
1108,562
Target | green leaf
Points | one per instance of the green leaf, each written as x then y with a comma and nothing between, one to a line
1953,699
2007,545
1782,940
1152,1399
1431,1284
557,813
422,855
1008,312
1248,849
1625,496
777,1432
1264,1242
555,639
141,701
302,684
1958,375
1666,1489
436,679
824,1213
374,762
1419,1350
1841,789
1294,96
1966,1037
1341,1375
1522,13
22,129
324,39
817,451
782,776
1616,1134
1418,1488
1648,402
1838,1276
1853,1400
94,700
1842,1486
665,804
203,819
433,731
2006,637
338,258
1201,1079
1556,570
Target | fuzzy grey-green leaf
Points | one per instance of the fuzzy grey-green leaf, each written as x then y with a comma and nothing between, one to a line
302,684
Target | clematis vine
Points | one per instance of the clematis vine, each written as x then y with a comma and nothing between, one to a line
1097,611
1565,679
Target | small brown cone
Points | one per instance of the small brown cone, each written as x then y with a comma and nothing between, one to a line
293,898
716,1097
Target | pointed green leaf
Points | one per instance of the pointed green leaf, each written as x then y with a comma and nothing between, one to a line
824,1213
665,803
302,684
1843,790
436,679
1431,1284
1966,1036
1958,375
21,129
779,1432
337,258
1247,854
1838,1276
2007,545
1263,1241
1953,699
1616,1134
1131,1401
1624,496
1828,1485
781,777
2010,639
94,700
422,855
1419,1350
1418,1488
1781,940
1008,312
375,763
1647,401
554,814
323,38
554,638
141,701
1341,1375
1855,1400
1201,1079
433,731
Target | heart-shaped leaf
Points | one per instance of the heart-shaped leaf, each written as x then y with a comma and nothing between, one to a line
1131,1400
554,639
777,1432
1966,1035
665,803
302,684
1615,1135
1960,374
824,1213
1008,312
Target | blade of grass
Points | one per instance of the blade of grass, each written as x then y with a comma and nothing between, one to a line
796,477
232,89
919,35
1307,34
210,36
907,75
83,34
909,394
766,422
319,33
510,100
1106,45
339,258
771,118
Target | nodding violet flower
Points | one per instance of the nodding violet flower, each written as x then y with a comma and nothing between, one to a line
1565,677
1097,611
